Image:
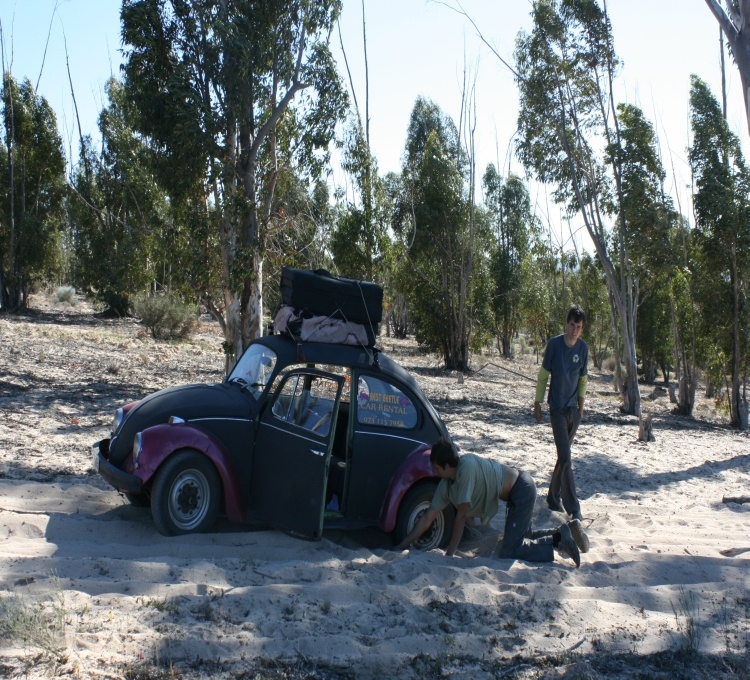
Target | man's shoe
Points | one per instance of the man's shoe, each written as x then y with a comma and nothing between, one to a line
567,546
579,535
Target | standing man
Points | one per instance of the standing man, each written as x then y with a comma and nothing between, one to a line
566,360
474,485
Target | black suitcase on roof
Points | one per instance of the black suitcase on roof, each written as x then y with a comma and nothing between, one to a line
324,294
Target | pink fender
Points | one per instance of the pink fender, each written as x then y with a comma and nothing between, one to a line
161,441
416,466
127,407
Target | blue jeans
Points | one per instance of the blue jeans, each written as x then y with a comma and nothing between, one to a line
562,486
518,525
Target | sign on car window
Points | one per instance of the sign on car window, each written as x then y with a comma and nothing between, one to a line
381,403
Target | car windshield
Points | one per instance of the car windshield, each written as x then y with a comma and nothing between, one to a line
254,368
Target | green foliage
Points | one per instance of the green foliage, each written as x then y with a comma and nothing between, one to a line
654,334
122,236
66,294
589,290
536,299
32,193
359,242
684,323
647,211
601,160
562,66
722,239
165,317
435,223
234,96
512,224
298,232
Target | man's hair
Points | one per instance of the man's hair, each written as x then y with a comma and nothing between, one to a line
444,454
576,314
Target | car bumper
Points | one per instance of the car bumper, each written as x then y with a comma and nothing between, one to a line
121,480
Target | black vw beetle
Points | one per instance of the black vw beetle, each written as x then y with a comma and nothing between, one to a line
301,435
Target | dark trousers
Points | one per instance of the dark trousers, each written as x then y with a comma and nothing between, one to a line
562,486
518,525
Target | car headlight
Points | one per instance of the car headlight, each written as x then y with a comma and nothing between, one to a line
137,446
117,420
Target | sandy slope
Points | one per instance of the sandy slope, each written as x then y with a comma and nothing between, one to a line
121,599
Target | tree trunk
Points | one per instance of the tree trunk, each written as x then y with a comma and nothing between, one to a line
649,371
739,40
737,420
616,345
684,347
507,347
252,308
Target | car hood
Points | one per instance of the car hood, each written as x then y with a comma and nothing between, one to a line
189,402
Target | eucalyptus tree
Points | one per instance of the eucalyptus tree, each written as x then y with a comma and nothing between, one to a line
119,213
401,232
513,223
537,300
360,241
589,289
722,209
233,93
32,192
299,231
649,214
684,331
654,332
436,222
565,70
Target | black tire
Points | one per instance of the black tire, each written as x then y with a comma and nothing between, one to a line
416,501
186,494
138,500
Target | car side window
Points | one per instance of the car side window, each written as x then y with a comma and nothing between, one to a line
307,401
381,403
343,371
282,406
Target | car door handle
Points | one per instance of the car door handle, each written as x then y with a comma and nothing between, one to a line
318,453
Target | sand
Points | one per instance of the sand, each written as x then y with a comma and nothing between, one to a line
90,589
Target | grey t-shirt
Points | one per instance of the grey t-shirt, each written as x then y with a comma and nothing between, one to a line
566,366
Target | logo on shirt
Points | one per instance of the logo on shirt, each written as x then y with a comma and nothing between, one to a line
576,358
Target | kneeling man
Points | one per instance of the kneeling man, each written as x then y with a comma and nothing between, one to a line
474,485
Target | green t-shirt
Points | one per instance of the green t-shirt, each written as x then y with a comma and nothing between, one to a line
478,482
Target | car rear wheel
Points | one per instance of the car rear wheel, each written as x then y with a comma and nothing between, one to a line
186,494
417,501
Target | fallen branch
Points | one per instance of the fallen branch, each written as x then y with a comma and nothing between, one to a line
735,499
490,363
733,552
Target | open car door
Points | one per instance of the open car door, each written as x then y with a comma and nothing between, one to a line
293,451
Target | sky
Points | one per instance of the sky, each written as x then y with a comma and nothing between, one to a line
414,48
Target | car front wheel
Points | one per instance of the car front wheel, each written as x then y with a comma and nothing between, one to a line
416,502
186,494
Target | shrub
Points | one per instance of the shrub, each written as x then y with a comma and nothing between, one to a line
165,317
41,624
609,364
66,294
